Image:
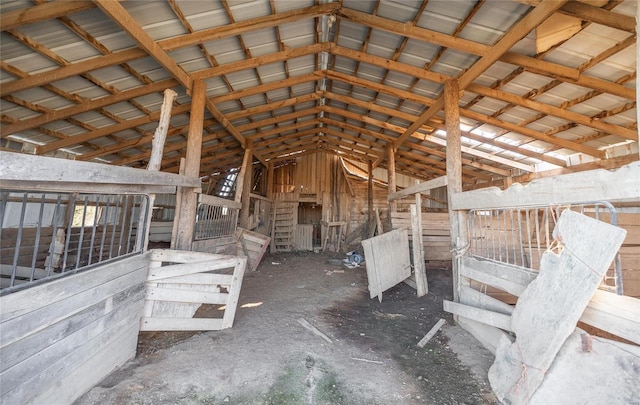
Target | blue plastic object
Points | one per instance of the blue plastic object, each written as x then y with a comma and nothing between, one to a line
355,258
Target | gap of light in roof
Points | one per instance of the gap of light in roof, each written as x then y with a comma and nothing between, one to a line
539,165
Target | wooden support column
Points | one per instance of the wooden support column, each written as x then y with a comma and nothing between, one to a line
155,159
454,177
370,193
243,187
188,196
418,247
391,178
270,180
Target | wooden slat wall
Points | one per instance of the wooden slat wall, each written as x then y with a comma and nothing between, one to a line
629,252
318,175
61,338
435,233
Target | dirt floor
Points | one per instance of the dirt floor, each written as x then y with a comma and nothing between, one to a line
268,357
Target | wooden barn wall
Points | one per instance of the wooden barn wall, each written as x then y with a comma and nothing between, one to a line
360,207
61,338
315,178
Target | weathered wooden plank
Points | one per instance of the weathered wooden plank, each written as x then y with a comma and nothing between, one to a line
172,324
612,313
385,270
572,188
496,319
497,275
563,288
183,256
199,278
418,250
234,293
190,296
56,352
34,343
432,332
615,314
213,200
106,357
160,273
494,280
419,188
31,168
487,335
23,302
472,297
48,374
41,317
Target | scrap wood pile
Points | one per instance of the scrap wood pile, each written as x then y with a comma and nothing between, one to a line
550,360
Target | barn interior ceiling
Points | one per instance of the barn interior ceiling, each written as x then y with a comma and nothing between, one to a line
542,84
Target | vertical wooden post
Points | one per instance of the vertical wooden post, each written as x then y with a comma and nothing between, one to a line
507,182
391,179
188,196
418,247
247,177
270,180
454,176
370,193
176,216
155,159
159,137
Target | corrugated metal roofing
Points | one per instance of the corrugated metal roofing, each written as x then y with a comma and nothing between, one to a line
380,72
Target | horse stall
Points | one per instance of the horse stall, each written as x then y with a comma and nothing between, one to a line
78,282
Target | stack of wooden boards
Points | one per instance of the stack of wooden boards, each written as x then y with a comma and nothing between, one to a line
550,360
435,233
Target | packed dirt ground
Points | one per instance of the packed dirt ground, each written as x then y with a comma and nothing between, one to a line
268,357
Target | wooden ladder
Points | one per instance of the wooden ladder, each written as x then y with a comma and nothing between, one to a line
284,223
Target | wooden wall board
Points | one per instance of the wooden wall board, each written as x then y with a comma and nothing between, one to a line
572,188
25,168
75,329
612,313
384,270
107,357
436,238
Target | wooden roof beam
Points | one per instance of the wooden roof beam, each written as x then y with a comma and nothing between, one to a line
356,129
253,24
275,120
89,105
555,111
280,130
115,11
264,88
170,147
301,140
343,135
262,60
563,143
534,18
273,106
465,161
41,12
108,130
266,144
72,69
